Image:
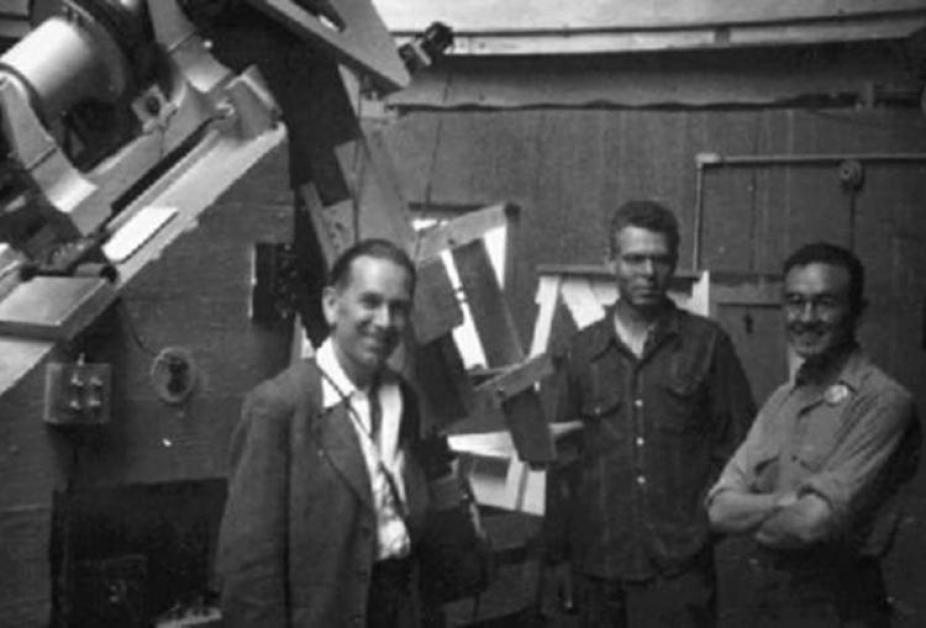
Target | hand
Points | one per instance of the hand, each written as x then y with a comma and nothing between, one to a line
786,499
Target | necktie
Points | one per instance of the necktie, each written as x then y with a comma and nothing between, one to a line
376,419
376,414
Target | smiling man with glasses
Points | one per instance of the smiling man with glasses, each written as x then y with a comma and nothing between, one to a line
816,483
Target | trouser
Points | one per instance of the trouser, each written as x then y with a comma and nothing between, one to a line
818,589
687,599
390,593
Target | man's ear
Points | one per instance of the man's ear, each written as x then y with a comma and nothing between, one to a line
610,262
330,304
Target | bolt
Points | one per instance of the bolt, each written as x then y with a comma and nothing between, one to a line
152,105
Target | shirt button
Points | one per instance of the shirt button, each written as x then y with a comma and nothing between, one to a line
641,480
638,403
640,441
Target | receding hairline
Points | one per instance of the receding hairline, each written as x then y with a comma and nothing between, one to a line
342,269
347,277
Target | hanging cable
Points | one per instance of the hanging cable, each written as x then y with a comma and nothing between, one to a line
438,136
133,332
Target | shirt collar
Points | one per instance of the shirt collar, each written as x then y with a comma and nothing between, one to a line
667,324
337,385
855,369
844,365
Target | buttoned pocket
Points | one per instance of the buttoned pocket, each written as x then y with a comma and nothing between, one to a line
686,374
684,386
823,425
601,431
595,410
684,401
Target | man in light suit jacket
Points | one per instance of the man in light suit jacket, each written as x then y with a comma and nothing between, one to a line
328,484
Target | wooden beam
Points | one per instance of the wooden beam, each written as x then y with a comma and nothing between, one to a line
464,229
472,16
494,324
354,34
529,27
529,428
517,378
380,210
437,311
509,400
443,385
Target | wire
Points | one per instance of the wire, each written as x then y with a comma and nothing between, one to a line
357,165
438,136
133,333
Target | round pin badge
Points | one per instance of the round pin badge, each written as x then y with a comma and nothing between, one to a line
836,394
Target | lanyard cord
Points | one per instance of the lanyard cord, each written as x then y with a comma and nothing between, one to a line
351,410
380,465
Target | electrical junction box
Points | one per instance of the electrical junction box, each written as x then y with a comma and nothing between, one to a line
77,393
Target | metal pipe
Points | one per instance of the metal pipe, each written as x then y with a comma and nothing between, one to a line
703,161
708,160
698,214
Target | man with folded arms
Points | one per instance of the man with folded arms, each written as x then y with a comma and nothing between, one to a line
816,482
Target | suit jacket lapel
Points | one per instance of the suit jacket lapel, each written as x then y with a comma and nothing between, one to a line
339,440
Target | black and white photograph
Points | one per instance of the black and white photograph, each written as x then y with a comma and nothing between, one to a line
462,313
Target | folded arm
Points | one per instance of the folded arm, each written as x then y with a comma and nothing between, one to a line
822,504
803,522
734,511
743,497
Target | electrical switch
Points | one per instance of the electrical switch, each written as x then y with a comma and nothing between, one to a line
77,393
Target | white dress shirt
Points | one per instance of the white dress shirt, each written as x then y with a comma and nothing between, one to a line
392,534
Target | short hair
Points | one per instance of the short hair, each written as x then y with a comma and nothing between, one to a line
648,215
377,248
827,253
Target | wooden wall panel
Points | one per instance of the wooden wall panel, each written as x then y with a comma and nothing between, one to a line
568,169
891,240
24,534
755,76
570,138
532,15
757,333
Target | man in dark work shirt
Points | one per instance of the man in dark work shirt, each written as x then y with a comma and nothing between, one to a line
664,402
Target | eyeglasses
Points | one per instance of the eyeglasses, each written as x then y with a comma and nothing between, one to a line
637,260
823,305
